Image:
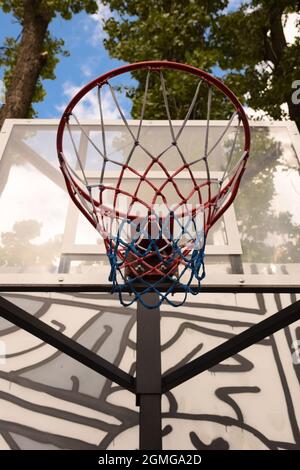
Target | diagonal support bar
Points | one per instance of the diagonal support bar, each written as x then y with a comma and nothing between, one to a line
238,343
38,328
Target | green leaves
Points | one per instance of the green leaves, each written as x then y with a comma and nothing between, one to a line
158,30
67,9
252,41
248,44
53,48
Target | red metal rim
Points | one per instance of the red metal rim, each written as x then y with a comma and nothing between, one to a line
157,64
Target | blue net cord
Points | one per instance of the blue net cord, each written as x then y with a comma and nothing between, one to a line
142,265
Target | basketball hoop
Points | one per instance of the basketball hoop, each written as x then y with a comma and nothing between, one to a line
152,242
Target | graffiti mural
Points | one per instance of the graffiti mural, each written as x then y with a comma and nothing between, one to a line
50,401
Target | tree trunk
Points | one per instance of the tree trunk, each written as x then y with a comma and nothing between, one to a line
294,111
278,46
278,40
30,61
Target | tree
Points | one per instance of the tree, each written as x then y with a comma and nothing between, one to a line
165,30
251,44
258,190
34,57
19,248
248,44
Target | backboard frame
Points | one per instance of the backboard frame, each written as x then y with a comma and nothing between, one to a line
235,282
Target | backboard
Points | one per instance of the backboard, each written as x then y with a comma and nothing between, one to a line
50,401
44,238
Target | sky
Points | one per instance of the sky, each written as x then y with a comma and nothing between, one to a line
88,59
83,37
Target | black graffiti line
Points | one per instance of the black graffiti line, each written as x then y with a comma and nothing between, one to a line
244,365
173,404
286,392
132,370
166,430
297,332
25,351
58,301
79,304
201,329
261,303
261,310
57,353
75,382
225,421
289,338
10,441
119,356
220,307
70,303
38,314
258,311
286,445
57,413
60,325
121,413
200,318
284,382
224,395
214,445
100,341
60,441
197,305
95,348
186,358
222,420
116,388
110,437
99,296
34,348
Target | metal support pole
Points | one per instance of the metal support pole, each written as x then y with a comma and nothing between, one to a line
148,373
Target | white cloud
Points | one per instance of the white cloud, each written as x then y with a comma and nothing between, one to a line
88,107
86,70
95,22
291,27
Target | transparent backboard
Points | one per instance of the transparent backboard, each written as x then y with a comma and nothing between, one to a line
45,239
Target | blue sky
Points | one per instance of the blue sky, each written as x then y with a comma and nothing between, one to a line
83,38
88,58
